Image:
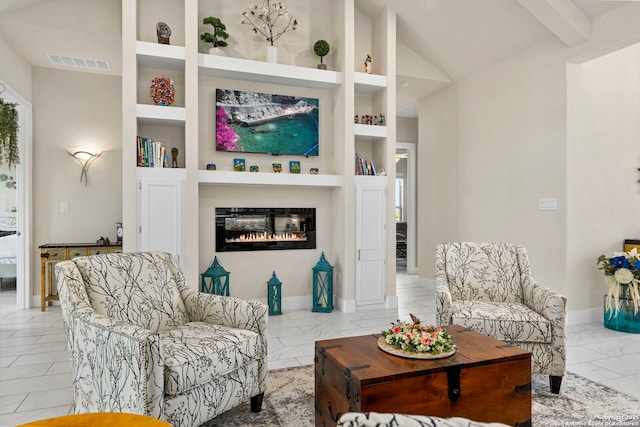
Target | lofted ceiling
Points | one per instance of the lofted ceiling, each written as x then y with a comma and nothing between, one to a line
439,41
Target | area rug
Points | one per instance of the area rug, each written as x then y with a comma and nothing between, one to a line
289,402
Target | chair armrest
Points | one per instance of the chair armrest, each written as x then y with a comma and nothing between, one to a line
227,311
444,306
546,302
552,306
116,366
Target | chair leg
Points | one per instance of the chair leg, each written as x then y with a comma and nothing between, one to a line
554,382
256,402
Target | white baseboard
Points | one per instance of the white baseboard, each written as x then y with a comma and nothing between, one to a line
392,302
589,315
346,305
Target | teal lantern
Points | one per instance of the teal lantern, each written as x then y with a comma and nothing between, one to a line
215,280
274,295
323,286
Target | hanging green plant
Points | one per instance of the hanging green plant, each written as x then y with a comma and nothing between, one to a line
9,151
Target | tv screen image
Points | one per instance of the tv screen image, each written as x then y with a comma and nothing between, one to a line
254,122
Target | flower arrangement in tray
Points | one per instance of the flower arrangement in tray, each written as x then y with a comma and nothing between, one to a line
432,341
622,275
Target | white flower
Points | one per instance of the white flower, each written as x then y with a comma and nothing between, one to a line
623,275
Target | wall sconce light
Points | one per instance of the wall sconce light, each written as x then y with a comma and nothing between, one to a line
85,158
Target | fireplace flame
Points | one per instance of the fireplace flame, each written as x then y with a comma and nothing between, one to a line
265,237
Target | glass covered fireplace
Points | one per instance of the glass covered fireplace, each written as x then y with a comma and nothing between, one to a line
265,229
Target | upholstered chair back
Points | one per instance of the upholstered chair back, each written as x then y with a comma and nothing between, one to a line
483,271
139,288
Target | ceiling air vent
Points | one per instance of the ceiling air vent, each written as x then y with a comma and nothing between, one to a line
72,61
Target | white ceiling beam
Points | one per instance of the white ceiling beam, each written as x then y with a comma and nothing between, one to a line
562,18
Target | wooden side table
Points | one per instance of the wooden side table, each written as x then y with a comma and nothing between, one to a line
50,253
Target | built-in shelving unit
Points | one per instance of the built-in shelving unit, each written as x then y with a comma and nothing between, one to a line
369,83
161,56
370,132
165,173
160,115
194,191
268,179
266,72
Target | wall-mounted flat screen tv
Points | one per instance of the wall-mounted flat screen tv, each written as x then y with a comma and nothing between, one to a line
253,122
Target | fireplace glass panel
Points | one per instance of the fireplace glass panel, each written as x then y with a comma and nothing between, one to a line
254,229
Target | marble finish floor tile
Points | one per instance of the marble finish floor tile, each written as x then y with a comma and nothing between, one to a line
35,374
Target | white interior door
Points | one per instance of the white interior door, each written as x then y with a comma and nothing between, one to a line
24,293
371,242
161,221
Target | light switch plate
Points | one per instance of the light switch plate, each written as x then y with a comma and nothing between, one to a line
547,204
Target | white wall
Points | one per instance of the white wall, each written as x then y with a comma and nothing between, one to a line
14,71
407,129
603,131
495,143
72,109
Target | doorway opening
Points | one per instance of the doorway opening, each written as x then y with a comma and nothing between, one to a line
21,198
405,207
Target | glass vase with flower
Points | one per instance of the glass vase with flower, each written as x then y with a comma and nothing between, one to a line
622,302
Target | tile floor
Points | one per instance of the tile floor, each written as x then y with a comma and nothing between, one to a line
35,373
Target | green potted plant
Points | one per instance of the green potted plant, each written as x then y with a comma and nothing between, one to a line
321,48
218,37
9,134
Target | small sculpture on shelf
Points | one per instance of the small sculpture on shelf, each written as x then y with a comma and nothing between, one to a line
277,167
211,166
355,119
368,65
314,171
162,91
174,157
163,32
254,168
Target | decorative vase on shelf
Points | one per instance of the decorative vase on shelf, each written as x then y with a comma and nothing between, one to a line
272,54
621,314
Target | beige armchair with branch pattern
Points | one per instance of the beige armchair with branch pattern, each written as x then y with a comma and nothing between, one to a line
488,287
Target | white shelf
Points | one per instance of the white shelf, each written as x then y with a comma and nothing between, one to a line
270,179
369,132
160,115
172,174
369,83
266,72
163,56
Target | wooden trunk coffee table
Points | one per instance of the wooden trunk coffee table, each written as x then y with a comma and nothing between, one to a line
485,380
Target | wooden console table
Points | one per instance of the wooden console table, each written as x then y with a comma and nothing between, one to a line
50,253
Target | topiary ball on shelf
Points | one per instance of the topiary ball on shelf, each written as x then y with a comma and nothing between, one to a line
321,48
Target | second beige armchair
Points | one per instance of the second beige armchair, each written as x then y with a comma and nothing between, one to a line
488,287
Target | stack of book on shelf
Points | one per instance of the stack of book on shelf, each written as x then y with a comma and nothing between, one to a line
364,167
151,154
